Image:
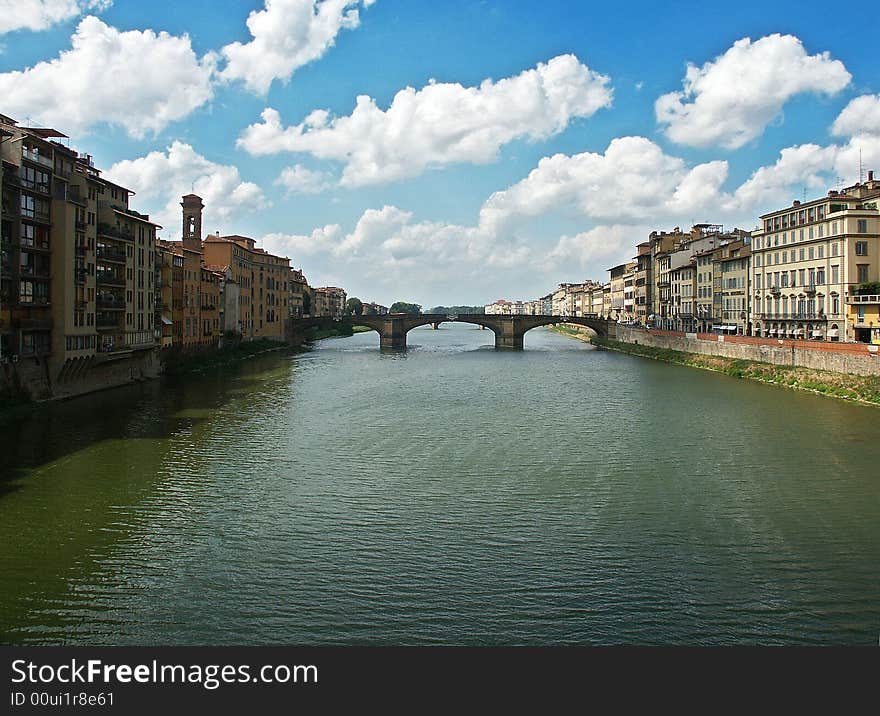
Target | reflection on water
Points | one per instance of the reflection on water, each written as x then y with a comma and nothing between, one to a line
448,494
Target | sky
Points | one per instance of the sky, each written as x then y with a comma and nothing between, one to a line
455,152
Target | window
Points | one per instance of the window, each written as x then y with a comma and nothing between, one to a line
861,248
862,270
835,305
863,226
835,274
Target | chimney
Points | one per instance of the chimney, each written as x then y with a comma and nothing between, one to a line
871,175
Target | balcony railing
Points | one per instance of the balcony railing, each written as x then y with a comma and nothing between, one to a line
108,254
106,324
791,316
36,157
868,298
107,304
114,231
81,225
81,249
110,280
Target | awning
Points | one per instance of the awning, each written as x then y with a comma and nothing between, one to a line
771,332
833,333
799,332
167,321
817,334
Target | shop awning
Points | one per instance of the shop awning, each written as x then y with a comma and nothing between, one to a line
833,333
771,332
817,334
167,321
799,332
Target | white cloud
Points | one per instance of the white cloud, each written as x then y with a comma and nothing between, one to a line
161,178
324,239
138,80
286,35
633,180
440,124
860,116
730,100
301,180
43,14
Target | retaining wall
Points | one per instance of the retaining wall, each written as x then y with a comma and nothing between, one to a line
858,358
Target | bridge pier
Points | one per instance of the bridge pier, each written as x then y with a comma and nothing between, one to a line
435,326
509,337
392,336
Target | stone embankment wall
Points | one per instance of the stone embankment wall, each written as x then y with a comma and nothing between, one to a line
32,378
857,358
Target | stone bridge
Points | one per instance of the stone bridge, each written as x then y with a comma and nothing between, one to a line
508,330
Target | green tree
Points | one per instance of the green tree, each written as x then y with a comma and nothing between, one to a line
354,306
403,307
370,311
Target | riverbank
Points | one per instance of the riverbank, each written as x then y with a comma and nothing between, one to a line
179,362
577,333
856,388
341,331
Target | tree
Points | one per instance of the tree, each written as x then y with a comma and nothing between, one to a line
354,306
403,307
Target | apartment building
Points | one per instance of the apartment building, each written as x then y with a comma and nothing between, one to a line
623,291
375,309
809,263
643,282
732,276
329,301
76,269
263,282
297,291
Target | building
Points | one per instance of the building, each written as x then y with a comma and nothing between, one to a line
77,301
809,261
330,301
623,291
375,309
297,291
732,269
263,282
643,282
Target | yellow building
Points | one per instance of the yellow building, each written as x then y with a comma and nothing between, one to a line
808,262
76,269
263,281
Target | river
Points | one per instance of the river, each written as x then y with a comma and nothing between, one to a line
451,494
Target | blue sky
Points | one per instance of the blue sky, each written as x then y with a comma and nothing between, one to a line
584,139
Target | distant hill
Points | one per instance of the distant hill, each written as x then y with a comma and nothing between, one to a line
457,309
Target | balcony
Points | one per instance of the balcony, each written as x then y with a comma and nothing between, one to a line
109,279
775,289
865,299
105,323
80,225
110,304
810,289
114,232
105,253
80,249
791,316
36,157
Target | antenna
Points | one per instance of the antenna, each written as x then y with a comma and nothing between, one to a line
860,165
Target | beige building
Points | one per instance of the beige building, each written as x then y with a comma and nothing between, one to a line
76,269
263,282
808,261
330,301
643,282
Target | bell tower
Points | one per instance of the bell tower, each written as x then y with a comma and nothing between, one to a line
192,221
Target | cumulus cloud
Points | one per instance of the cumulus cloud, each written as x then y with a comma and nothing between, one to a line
440,124
301,180
161,178
286,35
860,116
632,180
138,80
43,14
730,100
